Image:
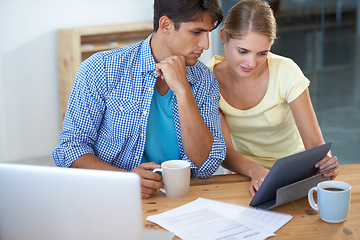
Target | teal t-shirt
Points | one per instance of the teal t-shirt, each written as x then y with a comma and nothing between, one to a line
161,141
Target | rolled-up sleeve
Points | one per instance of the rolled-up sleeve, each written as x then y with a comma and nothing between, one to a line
84,113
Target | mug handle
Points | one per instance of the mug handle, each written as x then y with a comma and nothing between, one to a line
159,170
311,198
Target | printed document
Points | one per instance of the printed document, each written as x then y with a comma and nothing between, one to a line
209,219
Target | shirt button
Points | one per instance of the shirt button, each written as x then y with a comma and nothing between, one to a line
150,89
136,157
121,108
141,135
145,112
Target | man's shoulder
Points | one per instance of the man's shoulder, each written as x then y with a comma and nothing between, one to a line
119,53
114,60
108,64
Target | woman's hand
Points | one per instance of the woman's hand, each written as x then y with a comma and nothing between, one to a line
258,175
327,163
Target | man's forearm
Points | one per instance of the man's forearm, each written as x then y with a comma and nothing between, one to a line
90,161
196,136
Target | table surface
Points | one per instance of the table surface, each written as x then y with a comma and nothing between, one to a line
234,188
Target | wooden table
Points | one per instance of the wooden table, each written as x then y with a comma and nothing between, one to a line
234,188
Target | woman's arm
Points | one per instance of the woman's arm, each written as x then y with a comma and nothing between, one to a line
310,131
238,163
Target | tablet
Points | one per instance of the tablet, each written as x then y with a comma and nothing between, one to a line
288,170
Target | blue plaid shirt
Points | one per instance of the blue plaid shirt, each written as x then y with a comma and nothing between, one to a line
109,107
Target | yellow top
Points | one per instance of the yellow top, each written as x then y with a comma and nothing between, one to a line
267,132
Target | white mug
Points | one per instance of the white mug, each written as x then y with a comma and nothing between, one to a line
333,200
175,178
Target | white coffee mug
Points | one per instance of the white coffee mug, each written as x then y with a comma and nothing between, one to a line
333,200
175,178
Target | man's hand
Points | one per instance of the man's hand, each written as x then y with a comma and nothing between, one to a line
173,71
150,181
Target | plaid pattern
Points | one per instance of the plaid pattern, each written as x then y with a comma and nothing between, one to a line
110,103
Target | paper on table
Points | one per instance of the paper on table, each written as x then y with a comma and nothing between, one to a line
263,219
209,219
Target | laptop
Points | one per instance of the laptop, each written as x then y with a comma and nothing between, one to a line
289,171
40,202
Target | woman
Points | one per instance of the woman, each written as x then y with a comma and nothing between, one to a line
265,103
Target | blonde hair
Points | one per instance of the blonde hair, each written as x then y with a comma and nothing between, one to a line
250,16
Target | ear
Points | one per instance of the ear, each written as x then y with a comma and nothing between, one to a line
223,35
165,24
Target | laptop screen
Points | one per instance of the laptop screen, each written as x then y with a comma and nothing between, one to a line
38,202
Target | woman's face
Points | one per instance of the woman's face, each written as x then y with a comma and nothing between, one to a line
246,56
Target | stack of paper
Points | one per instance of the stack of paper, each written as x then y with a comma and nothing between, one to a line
208,219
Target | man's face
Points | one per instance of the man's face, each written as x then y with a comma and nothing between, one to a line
191,39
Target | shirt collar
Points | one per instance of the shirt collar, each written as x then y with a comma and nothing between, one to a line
147,59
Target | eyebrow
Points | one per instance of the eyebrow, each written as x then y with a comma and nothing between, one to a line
202,30
244,49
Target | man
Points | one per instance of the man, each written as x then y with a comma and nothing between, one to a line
134,107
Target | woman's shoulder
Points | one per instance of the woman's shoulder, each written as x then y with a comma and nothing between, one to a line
279,58
214,61
280,61
288,77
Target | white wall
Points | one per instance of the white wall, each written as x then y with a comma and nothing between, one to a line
29,98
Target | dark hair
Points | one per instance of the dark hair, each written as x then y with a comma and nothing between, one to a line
184,11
